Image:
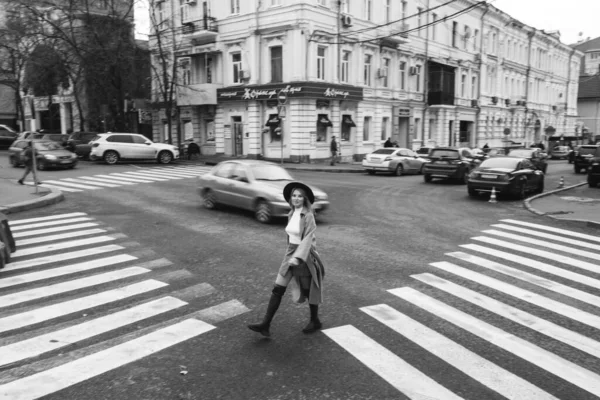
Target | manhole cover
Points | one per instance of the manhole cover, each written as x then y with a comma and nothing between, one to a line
579,199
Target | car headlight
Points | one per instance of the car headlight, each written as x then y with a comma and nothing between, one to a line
321,197
73,155
595,164
473,175
50,157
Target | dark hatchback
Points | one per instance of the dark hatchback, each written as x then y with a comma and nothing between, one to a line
507,175
582,156
49,154
593,177
449,163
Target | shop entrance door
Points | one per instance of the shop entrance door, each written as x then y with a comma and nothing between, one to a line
403,130
238,136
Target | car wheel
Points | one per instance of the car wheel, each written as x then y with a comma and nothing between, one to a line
14,162
472,192
370,172
577,169
209,200
427,177
165,157
592,183
41,166
399,170
111,157
263,212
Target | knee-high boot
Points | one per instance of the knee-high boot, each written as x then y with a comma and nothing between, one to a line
314,324
274,302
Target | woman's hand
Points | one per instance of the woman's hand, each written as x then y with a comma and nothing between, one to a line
294,261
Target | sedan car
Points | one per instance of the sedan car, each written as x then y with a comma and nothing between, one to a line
507,175
49,154
449,163
533,154
560,152
593,177
583,156
252,185
397,161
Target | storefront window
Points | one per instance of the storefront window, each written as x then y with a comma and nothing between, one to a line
347,125
274,125
367,129
210,130
323,123
384,128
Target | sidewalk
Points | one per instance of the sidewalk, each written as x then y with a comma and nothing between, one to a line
15,198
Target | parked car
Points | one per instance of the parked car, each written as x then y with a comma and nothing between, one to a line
79,138
507,175
7,136
60,138
49,154
252,185
583,156
114,146
449,163
423,152
559,153
593,172
397,161
497,151
533,154
25,135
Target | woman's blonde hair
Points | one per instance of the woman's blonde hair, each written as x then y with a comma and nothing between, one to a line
305,201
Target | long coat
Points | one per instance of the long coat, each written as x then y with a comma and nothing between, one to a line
307,252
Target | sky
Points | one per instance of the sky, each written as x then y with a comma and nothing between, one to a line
570,17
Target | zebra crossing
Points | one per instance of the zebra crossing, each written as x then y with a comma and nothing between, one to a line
532,280
79,300
114,180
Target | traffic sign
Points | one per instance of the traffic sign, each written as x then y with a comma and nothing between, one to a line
282,97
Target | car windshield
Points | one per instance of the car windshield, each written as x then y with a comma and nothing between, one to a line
503,162
423,150
44,146
384,151
445,153
520,153
587,150
270,173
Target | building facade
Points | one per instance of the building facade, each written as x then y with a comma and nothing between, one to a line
588,99
279,78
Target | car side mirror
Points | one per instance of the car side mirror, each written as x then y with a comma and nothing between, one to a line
243,179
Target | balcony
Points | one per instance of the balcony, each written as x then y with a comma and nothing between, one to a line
198,94
204,30
395,34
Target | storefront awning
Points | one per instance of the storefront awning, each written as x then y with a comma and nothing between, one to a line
324,121
347,120
273,120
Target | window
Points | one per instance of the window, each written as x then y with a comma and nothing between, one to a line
434,18
366,129
431,133
322,3
208,67
404,8
385,67
345,7
419,20
418,78
276,64
322,124
120,139
473,87
402,70
236,59
183,11
138,139
475,39
466,37
345,72
385,121
368,9
321,62
275,2
160,8
463,85
347,124
224,171
418,129
274,124
235,6
367,70
239,173
185,71
454,34
388,11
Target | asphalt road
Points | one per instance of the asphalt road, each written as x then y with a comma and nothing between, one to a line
382,233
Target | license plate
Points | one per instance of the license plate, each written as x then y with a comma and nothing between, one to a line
65,162
488,176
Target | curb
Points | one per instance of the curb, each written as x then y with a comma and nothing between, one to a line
293,168
55,196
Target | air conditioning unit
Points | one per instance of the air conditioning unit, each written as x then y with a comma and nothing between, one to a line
412,70
474,103
346,20
494,99
244,74
382,73
190,2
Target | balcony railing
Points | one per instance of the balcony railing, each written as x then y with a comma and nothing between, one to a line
206,24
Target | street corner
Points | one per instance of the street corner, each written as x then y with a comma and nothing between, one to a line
27,197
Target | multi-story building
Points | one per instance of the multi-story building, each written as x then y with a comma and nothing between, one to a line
588,99
280,78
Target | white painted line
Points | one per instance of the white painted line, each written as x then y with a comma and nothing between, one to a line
542,243
529,278
61,257
72,185
49,238
547,328
563,273
171,172
124,178
221,311
64,287
49,223
48,218
157,174
61,377
144,176
62,245
89,182
544,359
55,340
558,238
540,253
134,178
391,368
494,377
190,169
83,303
66,270
555,230
61,188
55,229
115,181
522,294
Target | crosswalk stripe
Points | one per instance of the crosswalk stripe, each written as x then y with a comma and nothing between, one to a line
63,287
561,239
55,229
393,369
118,178
15,265
55,340
524,318
172,172
496,378
48,223
48,218
552,229
64,245
165,174
563,273
542,243
221,311
522,294
529,278
143,176
58,378
71,185
187,171
109,181
89,182
46,313
66,270
544,359
61,188
540,253
49,238
191,169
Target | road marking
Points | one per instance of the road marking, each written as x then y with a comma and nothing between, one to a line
56,229
496,378
145,176
61,257
172,172
138,178
55,340
165,174
221,311
561,239
64,245
55,379
110,181
191,169
61,188
72,185
524,318
89,182
555,230
49,223
393,369
522,294
66,270
123,178
544,359
83,303
48,218
49,238
63,287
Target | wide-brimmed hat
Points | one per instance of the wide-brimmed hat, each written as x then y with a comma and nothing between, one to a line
289,188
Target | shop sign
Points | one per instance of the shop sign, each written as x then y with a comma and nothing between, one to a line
315,90
403,112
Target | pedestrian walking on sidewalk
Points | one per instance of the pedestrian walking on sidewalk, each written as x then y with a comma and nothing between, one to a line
27,155
302,267
334,149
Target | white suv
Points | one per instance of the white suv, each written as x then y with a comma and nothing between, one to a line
114,146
